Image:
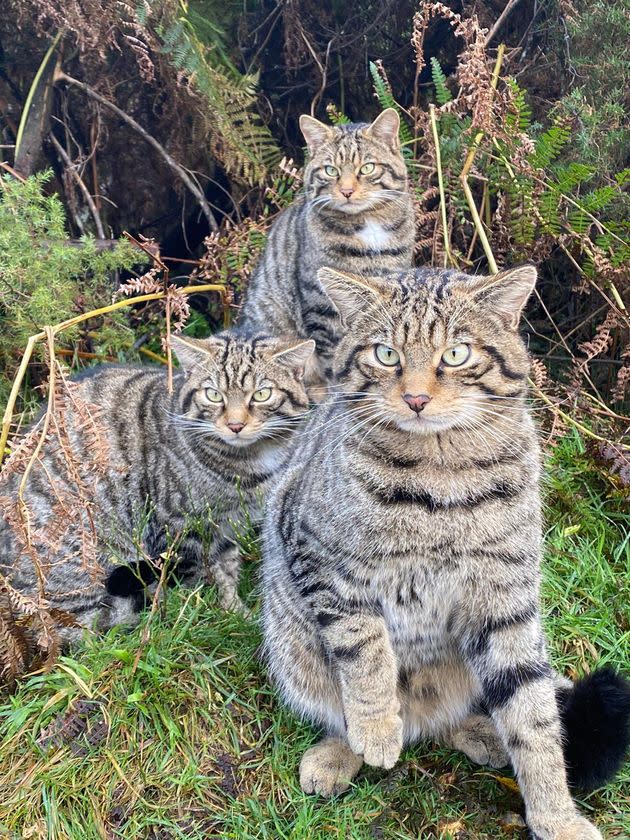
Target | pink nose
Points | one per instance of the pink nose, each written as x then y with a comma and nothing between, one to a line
236,427
346,191
416,403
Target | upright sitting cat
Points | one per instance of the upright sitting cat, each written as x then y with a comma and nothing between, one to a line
356,214
206,451
402,549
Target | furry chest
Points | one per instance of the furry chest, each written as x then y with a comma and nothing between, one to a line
373,235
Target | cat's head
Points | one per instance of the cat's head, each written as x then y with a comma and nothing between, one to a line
356,167
241,388
432,349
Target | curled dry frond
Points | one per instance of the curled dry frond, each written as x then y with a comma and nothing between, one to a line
77,454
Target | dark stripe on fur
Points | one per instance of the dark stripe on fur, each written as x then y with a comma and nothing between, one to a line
499,688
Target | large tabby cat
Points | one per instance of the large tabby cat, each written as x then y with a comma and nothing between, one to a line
356,213
402,553
171,458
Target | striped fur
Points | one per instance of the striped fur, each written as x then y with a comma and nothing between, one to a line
173,459
402,549
369,232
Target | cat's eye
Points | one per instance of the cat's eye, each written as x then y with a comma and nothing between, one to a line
386,356
457,355
261,395
367,169
213,395
332,171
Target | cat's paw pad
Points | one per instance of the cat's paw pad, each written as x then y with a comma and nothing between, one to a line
578,828
328,768
478,739
378,740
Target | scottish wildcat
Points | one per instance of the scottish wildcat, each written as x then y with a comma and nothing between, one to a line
356,213
205,451
402,552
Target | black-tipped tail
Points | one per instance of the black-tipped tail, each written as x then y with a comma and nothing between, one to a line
596,719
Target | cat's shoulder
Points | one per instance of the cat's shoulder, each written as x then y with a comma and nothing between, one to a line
112,370
110,380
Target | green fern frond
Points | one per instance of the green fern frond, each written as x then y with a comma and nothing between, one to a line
244,145
520,116
549,144
572,175
336,116
386,100
442,93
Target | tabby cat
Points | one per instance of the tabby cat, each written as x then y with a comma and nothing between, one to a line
402,550
356,213
172,458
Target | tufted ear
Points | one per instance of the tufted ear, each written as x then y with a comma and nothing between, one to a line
506,292
315,132
349,293
294,355
385,128
192,352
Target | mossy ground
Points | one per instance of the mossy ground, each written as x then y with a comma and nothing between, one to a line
187,740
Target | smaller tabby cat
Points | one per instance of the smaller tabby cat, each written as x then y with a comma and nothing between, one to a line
402,550
206,451
356,213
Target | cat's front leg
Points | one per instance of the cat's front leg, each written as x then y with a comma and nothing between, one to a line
508,656
366,667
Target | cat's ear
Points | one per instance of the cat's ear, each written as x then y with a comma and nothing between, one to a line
349,293
507,292
315,132
192,352
385,128
294,356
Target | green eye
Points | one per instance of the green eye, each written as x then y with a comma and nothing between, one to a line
367,169
213,395
332,171
386,355
457,355
262,395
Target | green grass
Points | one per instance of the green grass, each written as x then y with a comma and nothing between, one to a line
193,743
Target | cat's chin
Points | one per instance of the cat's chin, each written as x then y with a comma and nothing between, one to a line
425,425
354,208
239,442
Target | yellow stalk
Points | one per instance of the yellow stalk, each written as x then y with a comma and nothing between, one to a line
50,331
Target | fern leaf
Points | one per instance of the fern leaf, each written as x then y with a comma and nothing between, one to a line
386,100
442,93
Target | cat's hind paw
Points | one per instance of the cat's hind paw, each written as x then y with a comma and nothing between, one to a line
479,740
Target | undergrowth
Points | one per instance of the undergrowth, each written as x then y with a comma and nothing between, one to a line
193,743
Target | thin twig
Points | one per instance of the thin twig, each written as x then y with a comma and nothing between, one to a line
566,417
86,193
172,163
23,507
448,256
512,4
12,171
492,264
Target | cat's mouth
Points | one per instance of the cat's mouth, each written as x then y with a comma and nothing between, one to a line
354,205
424,424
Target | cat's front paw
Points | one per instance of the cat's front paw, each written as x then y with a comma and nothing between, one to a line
378,740
576,828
